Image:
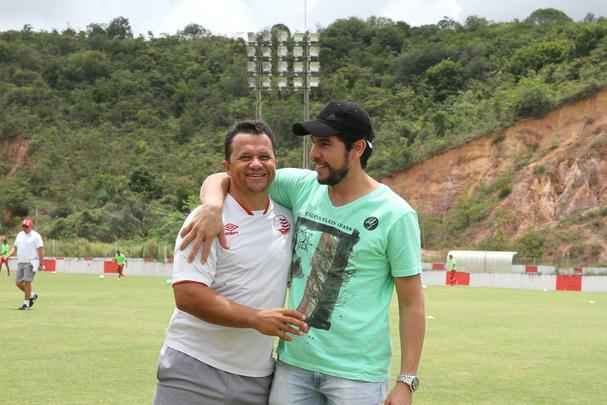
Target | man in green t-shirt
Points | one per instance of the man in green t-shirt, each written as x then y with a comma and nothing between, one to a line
120,260
355,240
4,251
451,270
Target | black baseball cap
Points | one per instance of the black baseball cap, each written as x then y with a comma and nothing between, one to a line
339,117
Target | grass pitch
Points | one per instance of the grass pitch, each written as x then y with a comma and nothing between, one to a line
96,341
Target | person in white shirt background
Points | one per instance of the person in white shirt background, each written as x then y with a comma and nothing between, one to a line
30,254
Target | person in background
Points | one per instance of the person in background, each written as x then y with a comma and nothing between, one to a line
451,269
120,260
30,256
4,255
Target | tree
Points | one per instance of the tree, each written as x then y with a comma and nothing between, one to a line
445,78
539,54
142,181
194,31
119,28
448,23
474,23
588,37
86,66
548,16
414,63
93,30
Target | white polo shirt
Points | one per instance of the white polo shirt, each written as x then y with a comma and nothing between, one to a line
252,272
27,245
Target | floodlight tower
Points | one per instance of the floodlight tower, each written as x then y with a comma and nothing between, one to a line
259,68
297,67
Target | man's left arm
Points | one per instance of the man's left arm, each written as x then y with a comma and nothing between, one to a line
40,257
412,328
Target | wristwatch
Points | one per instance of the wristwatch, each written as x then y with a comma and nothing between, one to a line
409,380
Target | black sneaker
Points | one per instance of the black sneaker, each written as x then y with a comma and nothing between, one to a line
32,299
23,308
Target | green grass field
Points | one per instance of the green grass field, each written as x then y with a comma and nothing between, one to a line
96,341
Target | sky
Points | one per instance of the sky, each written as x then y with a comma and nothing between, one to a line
235,17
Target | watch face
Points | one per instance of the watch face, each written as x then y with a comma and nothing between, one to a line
410,380
414,384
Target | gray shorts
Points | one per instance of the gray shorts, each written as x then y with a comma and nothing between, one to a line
183,380
25,272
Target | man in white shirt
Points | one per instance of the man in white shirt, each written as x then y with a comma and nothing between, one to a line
30,254
218,347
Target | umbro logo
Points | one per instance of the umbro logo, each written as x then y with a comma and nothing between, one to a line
230,229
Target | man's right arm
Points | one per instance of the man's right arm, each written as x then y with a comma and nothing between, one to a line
204,303
207,224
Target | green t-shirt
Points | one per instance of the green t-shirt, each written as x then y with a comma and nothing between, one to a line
451,264
4,249
120,259
344,262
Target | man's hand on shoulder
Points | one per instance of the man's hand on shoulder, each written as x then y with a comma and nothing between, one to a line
280,322
206,225
400,395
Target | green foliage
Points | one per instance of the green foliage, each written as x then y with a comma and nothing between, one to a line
543,16
446,78
539,170
468,212
531,245
495,243
142,181
122,130
15,199
532,99
538,55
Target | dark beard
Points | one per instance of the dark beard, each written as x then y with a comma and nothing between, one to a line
335,175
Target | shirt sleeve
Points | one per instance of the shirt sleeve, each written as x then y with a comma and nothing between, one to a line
404,246
195,271
39,242
288,185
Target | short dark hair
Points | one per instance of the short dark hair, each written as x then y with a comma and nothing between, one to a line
252,127
349,144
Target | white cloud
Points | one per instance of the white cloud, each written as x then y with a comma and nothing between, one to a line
420,12
233,16
222,16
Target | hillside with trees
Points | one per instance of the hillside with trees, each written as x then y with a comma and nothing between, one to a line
105,136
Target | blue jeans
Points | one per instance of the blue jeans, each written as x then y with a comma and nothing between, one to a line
296,386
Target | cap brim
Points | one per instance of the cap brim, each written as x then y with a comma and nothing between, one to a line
316,128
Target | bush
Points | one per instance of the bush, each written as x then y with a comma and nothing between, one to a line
150,249
531,245
532,102
504,192
539,170
466,213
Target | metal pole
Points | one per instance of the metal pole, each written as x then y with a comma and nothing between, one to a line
306,89
306,46
259,81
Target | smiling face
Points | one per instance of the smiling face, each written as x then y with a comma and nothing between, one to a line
252,165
